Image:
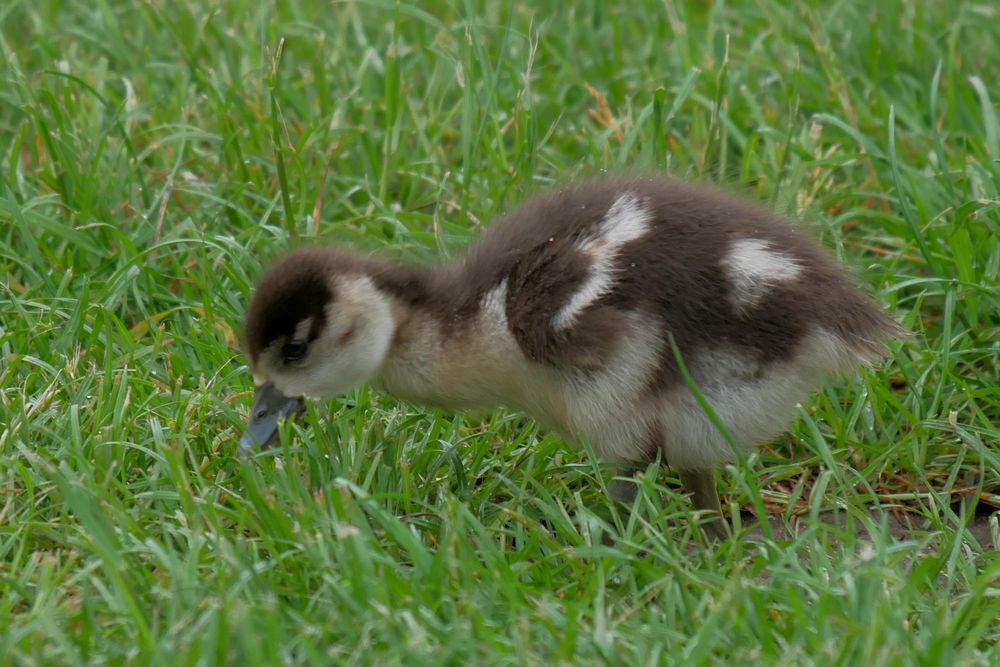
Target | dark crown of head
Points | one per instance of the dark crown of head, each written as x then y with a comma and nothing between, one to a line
290,292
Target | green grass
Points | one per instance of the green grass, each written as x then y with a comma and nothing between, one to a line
154,155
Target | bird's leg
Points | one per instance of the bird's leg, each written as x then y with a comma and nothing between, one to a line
705,496
623,491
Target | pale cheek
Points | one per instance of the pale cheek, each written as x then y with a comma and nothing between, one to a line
332,378
313,385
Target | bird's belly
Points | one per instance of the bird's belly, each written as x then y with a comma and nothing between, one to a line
616,428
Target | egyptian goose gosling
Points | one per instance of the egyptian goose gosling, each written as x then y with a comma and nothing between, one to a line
565,310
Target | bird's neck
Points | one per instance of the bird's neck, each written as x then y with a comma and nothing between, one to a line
451,350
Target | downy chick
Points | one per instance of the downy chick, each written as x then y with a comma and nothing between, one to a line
565,309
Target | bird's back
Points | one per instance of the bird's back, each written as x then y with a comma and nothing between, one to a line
708,268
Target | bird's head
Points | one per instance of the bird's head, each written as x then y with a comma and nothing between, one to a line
317,326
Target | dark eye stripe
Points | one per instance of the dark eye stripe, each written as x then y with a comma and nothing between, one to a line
294,350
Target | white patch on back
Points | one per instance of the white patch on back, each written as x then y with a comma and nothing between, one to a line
494,304
625,221
753,269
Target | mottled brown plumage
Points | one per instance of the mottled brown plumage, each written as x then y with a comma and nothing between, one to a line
564,309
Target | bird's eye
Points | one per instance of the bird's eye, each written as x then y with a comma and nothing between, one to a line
294,350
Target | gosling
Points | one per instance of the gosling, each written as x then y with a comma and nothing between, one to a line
583,309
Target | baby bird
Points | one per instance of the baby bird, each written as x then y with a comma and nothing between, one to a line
574,309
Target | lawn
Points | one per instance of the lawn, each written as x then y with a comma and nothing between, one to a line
155,155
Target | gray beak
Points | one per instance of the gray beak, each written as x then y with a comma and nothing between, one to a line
269,406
